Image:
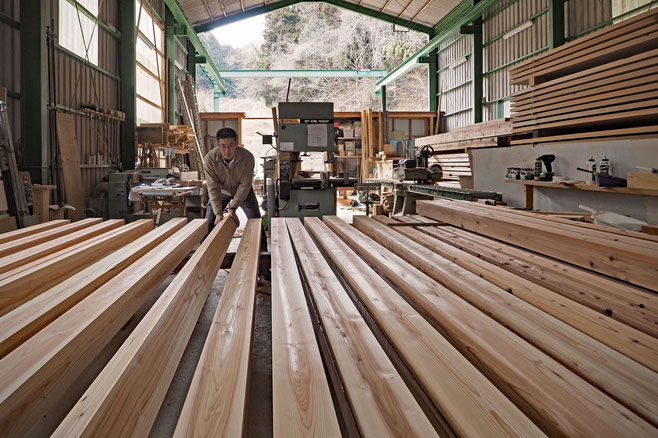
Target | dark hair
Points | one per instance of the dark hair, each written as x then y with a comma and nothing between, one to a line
227,133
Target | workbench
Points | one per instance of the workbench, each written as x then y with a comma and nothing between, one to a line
155,199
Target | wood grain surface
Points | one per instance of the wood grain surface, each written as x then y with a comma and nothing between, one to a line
10,236
301,398
44,236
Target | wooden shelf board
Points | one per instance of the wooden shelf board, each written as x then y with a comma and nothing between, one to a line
586,187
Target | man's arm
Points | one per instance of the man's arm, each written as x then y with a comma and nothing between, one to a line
214,187
246,182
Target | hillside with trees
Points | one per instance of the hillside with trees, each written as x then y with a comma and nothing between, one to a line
317,36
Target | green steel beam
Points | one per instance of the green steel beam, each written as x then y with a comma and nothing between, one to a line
476,70
637,10
555,23
500,35
454,17
433,80
204,27
34,89
303,73
170,53
191,66
84,11
128,73
465,16
10,21
192,36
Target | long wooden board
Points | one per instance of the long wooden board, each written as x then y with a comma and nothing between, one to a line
643,131
554,397
632,306
69,153
36,252
382,404
24,286
301,399
125,398
610,258
34,229
44,236
20,324
470,403
615,374
216,403
31,385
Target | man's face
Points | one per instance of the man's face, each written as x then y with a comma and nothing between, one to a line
227,147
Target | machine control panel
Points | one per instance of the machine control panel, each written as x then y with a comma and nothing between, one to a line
284,180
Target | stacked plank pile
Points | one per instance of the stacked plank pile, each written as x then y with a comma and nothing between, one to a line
486,134
388,328
453,165
180,138
601,85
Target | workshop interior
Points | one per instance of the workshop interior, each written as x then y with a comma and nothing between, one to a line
484,264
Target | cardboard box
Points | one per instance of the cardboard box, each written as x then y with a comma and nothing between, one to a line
351,153
357,131
348,132
388,149
350,145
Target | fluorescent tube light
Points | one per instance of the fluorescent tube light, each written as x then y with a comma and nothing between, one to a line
518,29
459,62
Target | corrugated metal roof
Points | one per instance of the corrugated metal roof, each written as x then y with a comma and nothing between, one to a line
425,12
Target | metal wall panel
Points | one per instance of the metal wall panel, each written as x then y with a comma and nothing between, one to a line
500,52
584,14
10,49
78,83
456,100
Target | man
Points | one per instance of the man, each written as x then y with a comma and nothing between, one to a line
229,173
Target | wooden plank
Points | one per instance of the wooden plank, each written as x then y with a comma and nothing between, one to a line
297,369
72,341
475,131
560,402
34,229
125,398
381,402
20,324
618,260
69,159
45,236
642,180
629,305
471,404
21,288
586,187
651,131
28,255
615,374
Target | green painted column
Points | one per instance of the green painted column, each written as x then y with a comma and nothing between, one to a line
34,90
170,53
433,79
478,68
555,23
128,69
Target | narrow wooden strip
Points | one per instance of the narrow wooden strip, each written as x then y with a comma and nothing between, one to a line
125,398
30,254
382,404
611,134
20,324
623,379
611,258
44,236
472,405
38,372
10,236
627,304
560,402
21,288
301,398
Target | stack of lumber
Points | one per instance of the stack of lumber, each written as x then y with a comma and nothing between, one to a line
601,85
486,134
388,328
180,138
453,165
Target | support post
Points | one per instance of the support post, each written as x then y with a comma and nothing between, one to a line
170,52
555,23
34,89
191,55
477,71
433,79
216,95
384,117
128,75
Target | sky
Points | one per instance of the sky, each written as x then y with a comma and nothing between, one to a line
241,33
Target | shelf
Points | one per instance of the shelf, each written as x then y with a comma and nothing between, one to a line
347,156
586,187
95,166
349,138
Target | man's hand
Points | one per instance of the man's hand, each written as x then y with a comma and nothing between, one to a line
218,219
234,216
